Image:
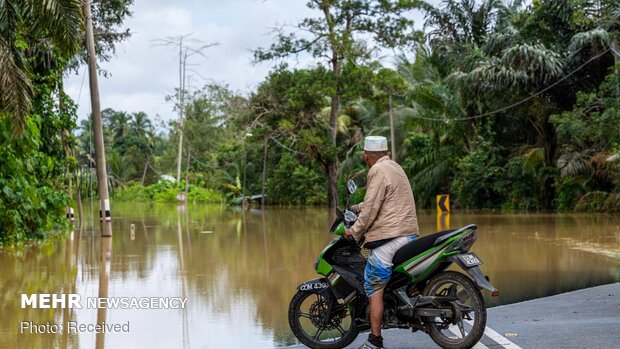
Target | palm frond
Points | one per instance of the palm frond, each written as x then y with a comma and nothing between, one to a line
62,21
614,158
574,163
533,158
499,41
596,36
342,123
536,61
15,87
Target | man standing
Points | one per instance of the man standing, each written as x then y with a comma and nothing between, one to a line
388,219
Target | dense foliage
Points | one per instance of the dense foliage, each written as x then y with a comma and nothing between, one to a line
502,105
38,43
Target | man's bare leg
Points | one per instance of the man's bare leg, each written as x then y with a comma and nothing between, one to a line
376,313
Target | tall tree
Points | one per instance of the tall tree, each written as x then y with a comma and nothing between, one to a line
26,25
339,36
117,122
140,125
108,18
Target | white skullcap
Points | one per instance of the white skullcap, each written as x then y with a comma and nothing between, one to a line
375,143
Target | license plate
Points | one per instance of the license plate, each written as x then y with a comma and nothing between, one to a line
470,259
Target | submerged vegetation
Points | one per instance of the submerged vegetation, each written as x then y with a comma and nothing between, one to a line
501,104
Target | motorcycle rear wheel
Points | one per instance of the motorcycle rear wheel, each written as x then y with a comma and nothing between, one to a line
305,319
457,333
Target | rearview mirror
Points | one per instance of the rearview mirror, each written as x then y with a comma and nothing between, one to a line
351,186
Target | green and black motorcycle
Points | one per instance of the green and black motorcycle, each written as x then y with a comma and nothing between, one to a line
329,312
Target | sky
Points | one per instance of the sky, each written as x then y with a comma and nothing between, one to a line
142,73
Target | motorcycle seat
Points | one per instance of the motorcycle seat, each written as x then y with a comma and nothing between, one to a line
420,245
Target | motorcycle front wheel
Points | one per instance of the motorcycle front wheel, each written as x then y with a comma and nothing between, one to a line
459,331
306,317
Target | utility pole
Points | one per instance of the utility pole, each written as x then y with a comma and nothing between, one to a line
102,176
182,60
184,53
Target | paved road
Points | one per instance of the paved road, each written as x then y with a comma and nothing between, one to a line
588,318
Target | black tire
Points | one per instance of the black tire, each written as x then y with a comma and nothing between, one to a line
469,293
296,313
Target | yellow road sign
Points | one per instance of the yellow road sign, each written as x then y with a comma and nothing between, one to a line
443,203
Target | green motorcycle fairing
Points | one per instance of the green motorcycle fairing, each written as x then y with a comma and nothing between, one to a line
416,268
422,265
321,266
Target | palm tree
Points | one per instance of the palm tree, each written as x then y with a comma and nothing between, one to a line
121,169
26,26
85,146
119,123
545,65
457,28
434,141
140,125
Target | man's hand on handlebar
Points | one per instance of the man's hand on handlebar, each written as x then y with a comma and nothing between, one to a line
348,235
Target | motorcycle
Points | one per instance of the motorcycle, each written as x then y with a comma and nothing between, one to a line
422,295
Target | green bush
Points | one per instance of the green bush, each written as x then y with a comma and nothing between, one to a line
294,184
30,205
520,185
204,195
476,181
165,192
598,201
569,190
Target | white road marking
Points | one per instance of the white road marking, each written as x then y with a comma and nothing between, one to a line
501,340
454,329
479,345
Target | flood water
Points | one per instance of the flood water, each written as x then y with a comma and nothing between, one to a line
239,271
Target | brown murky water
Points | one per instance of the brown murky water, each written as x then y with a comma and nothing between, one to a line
239,271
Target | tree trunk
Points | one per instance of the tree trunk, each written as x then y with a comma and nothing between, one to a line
64,134
187,174
146,162
245,169
332,162
262,199
615,50
78,191
550,150
392,132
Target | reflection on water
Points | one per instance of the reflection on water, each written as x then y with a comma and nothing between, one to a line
239,271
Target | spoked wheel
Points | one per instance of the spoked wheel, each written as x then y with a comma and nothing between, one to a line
469,316
306,316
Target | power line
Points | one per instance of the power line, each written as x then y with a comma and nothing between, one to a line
81,85
205,164
148,163
287,148
521,101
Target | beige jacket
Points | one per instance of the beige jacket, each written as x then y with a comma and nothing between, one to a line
388,209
